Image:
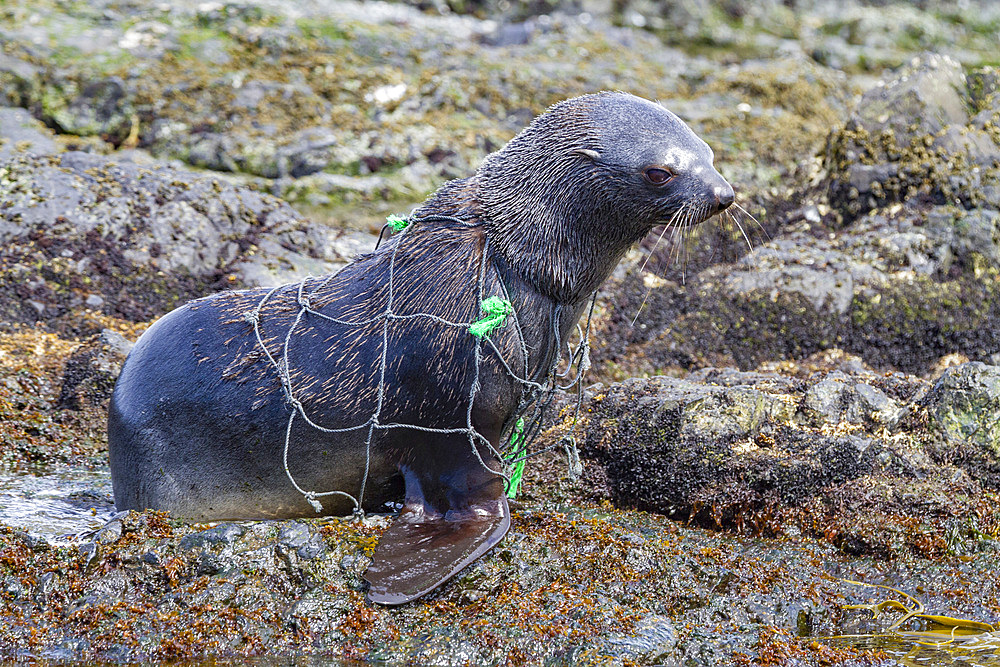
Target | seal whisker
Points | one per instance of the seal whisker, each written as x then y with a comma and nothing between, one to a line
695,215
747,213
671,224
742,231
677,236
655,246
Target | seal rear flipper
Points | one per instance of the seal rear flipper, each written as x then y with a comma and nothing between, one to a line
419,552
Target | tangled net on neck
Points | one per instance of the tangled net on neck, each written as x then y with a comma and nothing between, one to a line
536,397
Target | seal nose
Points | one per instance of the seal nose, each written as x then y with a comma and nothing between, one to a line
724,195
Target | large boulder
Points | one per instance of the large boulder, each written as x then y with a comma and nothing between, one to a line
843,456
913,134
22,133
899,266
80,232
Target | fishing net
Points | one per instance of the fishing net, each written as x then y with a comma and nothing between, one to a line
565,372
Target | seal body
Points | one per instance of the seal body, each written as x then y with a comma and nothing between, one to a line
367,386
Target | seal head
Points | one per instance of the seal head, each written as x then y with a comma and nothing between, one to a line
572,192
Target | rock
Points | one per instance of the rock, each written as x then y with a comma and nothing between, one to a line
825,398
98,107
110,533
90,373
899,288
20,132
36,543
961,405
823,279
19,81
143,240
931,88
909,135
984,86
108,589
87,553
12,588
653,640
674,446
294,534
224,534
725,448
840,398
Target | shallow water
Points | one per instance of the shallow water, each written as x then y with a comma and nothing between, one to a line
58,505
983,652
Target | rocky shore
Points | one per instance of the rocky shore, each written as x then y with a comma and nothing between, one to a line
791,408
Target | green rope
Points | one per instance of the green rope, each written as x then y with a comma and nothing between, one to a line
496,310
516,438
397,223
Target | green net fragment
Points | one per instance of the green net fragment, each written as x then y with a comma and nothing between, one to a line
496,310
397,223
517,455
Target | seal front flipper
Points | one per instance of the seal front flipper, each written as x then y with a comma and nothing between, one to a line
425,547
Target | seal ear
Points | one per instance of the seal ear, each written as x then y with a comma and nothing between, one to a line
586,152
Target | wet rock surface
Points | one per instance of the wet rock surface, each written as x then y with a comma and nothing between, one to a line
773,422
132,241
767,454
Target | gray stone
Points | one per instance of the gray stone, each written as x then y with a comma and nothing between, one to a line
868,404
294,534
974,145
19,81
109,588
97,108
826,398
652,641
20,132
224,533
90,373
984,87
173,233
87,552
821,276
930,89
964,405
110,533
12,588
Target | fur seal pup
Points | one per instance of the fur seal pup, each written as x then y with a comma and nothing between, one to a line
367,386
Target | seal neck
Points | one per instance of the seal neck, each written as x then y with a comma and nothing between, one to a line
557,217
555,236
551,236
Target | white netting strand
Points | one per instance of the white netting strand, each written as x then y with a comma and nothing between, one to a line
535,396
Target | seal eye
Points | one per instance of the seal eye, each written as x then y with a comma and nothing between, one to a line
658,176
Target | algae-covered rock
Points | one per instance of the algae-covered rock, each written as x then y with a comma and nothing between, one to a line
820,461
901,288
964,406
839,398
913,134
90,373
84,107
685,448
80,231
19,81
21,133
